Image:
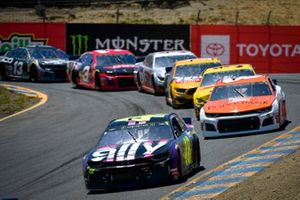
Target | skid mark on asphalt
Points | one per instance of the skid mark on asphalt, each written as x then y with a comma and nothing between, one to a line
39,178
228,175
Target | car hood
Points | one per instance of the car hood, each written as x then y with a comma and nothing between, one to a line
56,61
203,92
120,66
235,105
187,83
128,151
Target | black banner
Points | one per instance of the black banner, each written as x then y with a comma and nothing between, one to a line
139,39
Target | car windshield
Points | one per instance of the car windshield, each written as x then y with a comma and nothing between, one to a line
212,78
193,70
110,60
47,53
168,61
153,131
240,91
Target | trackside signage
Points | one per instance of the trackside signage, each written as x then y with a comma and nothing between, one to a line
14,35
139,39
270,49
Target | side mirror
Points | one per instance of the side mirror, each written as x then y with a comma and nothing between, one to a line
168,70
274,81
187,120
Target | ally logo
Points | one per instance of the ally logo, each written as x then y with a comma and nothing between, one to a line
15,40
79,44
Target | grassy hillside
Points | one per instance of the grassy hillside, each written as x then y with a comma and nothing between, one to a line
282,12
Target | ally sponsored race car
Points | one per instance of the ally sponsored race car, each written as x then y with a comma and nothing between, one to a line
147,149
35,63
243,105
103,70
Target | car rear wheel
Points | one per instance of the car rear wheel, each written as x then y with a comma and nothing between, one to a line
139,85
155,91
33,74
97,82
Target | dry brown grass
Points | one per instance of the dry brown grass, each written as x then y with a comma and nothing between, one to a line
284,12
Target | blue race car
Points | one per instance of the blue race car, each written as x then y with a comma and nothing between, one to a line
142,149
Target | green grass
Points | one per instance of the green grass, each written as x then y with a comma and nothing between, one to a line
11,102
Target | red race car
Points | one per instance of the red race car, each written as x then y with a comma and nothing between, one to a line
103,70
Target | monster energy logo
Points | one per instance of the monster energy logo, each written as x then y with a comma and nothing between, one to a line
79,44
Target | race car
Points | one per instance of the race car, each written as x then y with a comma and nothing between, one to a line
103,70
35,63
184,79
149,75
243,105
139,150
211,76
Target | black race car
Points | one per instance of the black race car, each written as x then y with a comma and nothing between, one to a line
147,149
35,63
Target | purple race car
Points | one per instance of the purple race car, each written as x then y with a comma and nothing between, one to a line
142,149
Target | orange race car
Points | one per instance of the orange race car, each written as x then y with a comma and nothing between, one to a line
243,105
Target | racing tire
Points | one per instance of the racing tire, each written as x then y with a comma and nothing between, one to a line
138,84
177,178
3,76
33,74
173,104
74,80
197,155
155,92
97,82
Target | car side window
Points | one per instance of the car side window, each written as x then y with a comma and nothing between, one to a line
148,61
23,54
10,54
272,85
89,59
176,127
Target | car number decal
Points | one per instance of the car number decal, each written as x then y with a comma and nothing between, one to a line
86,72
18,68
187,151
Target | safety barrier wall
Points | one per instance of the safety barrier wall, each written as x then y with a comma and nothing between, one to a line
13,35
270,49
139,39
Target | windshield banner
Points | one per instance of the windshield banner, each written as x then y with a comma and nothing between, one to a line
139,39
270,49
13,35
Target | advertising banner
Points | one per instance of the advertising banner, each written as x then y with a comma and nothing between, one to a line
14,35
270,49
139,39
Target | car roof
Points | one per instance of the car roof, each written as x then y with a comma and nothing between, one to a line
140,119
225,68
39,46
172,53
110,52
197,61
242,79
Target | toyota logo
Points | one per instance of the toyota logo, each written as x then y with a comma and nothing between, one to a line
215,49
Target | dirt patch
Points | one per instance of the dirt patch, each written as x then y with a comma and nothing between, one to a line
280,181
11,102
192,12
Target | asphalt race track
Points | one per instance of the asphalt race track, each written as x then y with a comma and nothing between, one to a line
41,150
